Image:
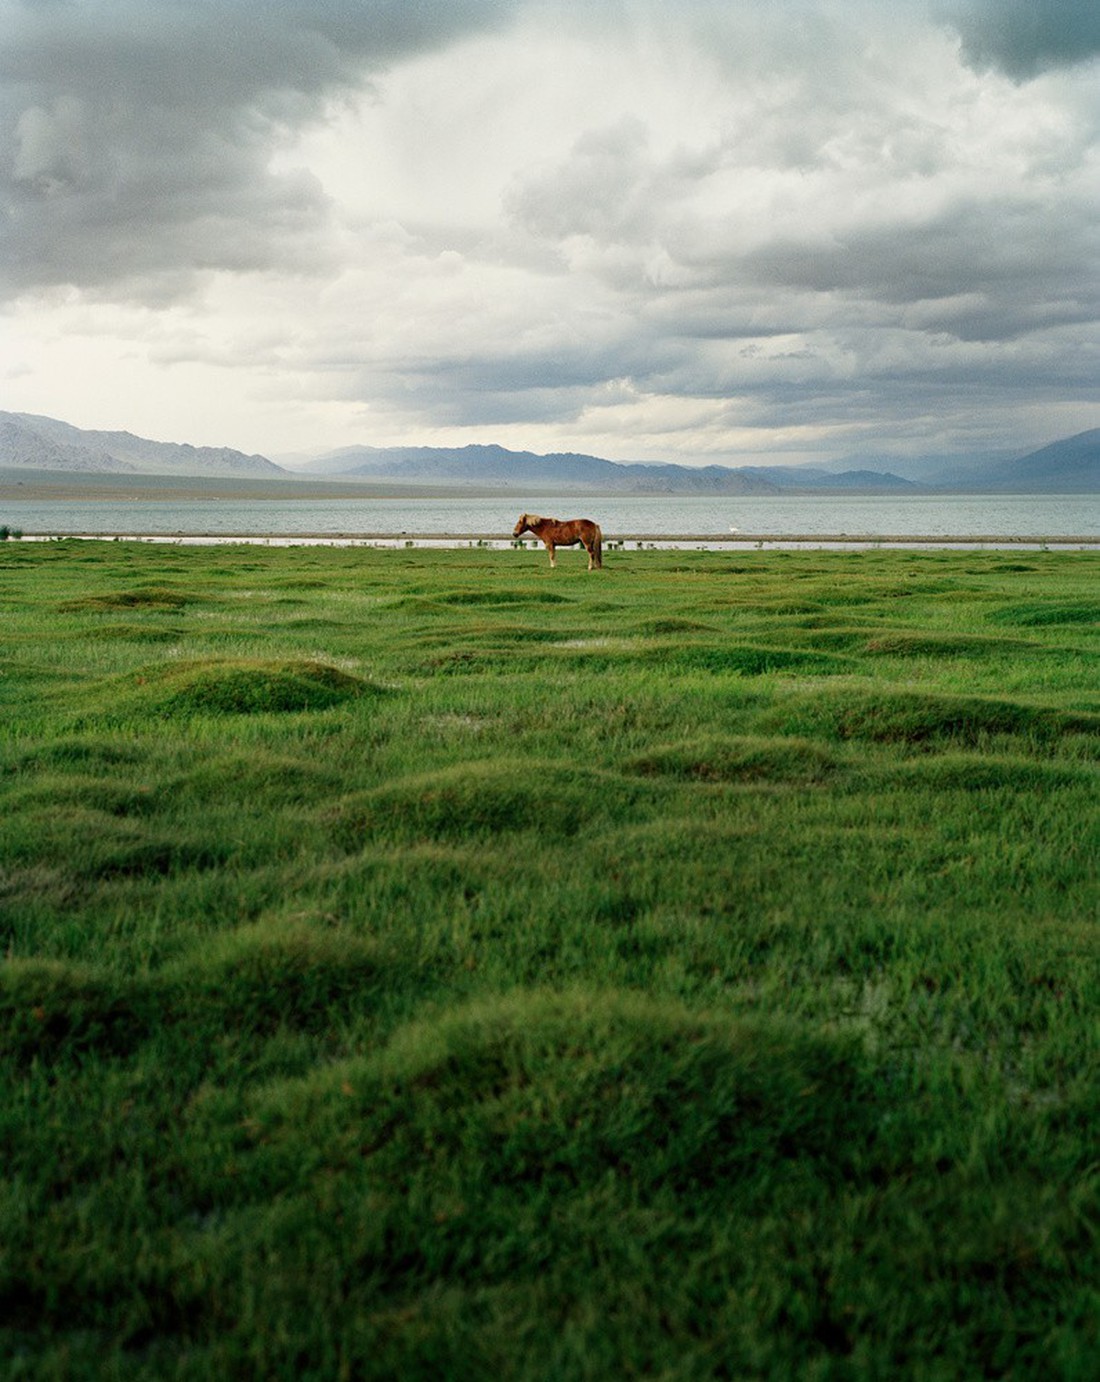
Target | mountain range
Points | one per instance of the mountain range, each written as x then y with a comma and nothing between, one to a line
43,443
32,443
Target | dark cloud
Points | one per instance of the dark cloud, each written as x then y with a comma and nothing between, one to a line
990,271
136,138
1025,37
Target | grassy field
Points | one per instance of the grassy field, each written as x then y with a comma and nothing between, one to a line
428,965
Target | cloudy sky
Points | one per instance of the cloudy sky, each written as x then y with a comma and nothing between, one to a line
691,230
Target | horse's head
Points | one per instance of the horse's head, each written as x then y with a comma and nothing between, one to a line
522,525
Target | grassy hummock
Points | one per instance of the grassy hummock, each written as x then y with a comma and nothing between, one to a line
426,964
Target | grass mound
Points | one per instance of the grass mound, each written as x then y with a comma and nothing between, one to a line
500,597
562,1088
136,633
154,597
49,1008
482,661
901,644
740,759
658,628
266,975
316,627
103,792
1041,613
255,979
917,718
90,844
259,776
526,1155
78,751
743,660
505,635
245,687
985,772
480,800
540,1150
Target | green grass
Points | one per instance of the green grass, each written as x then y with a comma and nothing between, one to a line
428,965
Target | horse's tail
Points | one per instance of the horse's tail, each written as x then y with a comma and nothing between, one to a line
597,546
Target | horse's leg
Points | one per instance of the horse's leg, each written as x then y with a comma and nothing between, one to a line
550,549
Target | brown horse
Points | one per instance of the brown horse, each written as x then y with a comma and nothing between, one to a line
556,533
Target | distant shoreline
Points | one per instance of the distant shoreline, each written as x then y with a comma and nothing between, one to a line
43,486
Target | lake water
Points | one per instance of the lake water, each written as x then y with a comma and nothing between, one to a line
732,521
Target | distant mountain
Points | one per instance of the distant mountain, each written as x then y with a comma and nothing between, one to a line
811,480
41,443
867,481
498,467
925,470
23,445
29,442
1070,466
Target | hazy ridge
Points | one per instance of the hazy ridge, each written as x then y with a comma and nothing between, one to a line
42,443
29,442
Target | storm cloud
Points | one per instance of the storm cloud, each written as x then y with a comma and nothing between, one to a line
140,133
1026,37
689,232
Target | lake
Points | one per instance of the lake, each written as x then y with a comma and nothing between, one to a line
729,520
